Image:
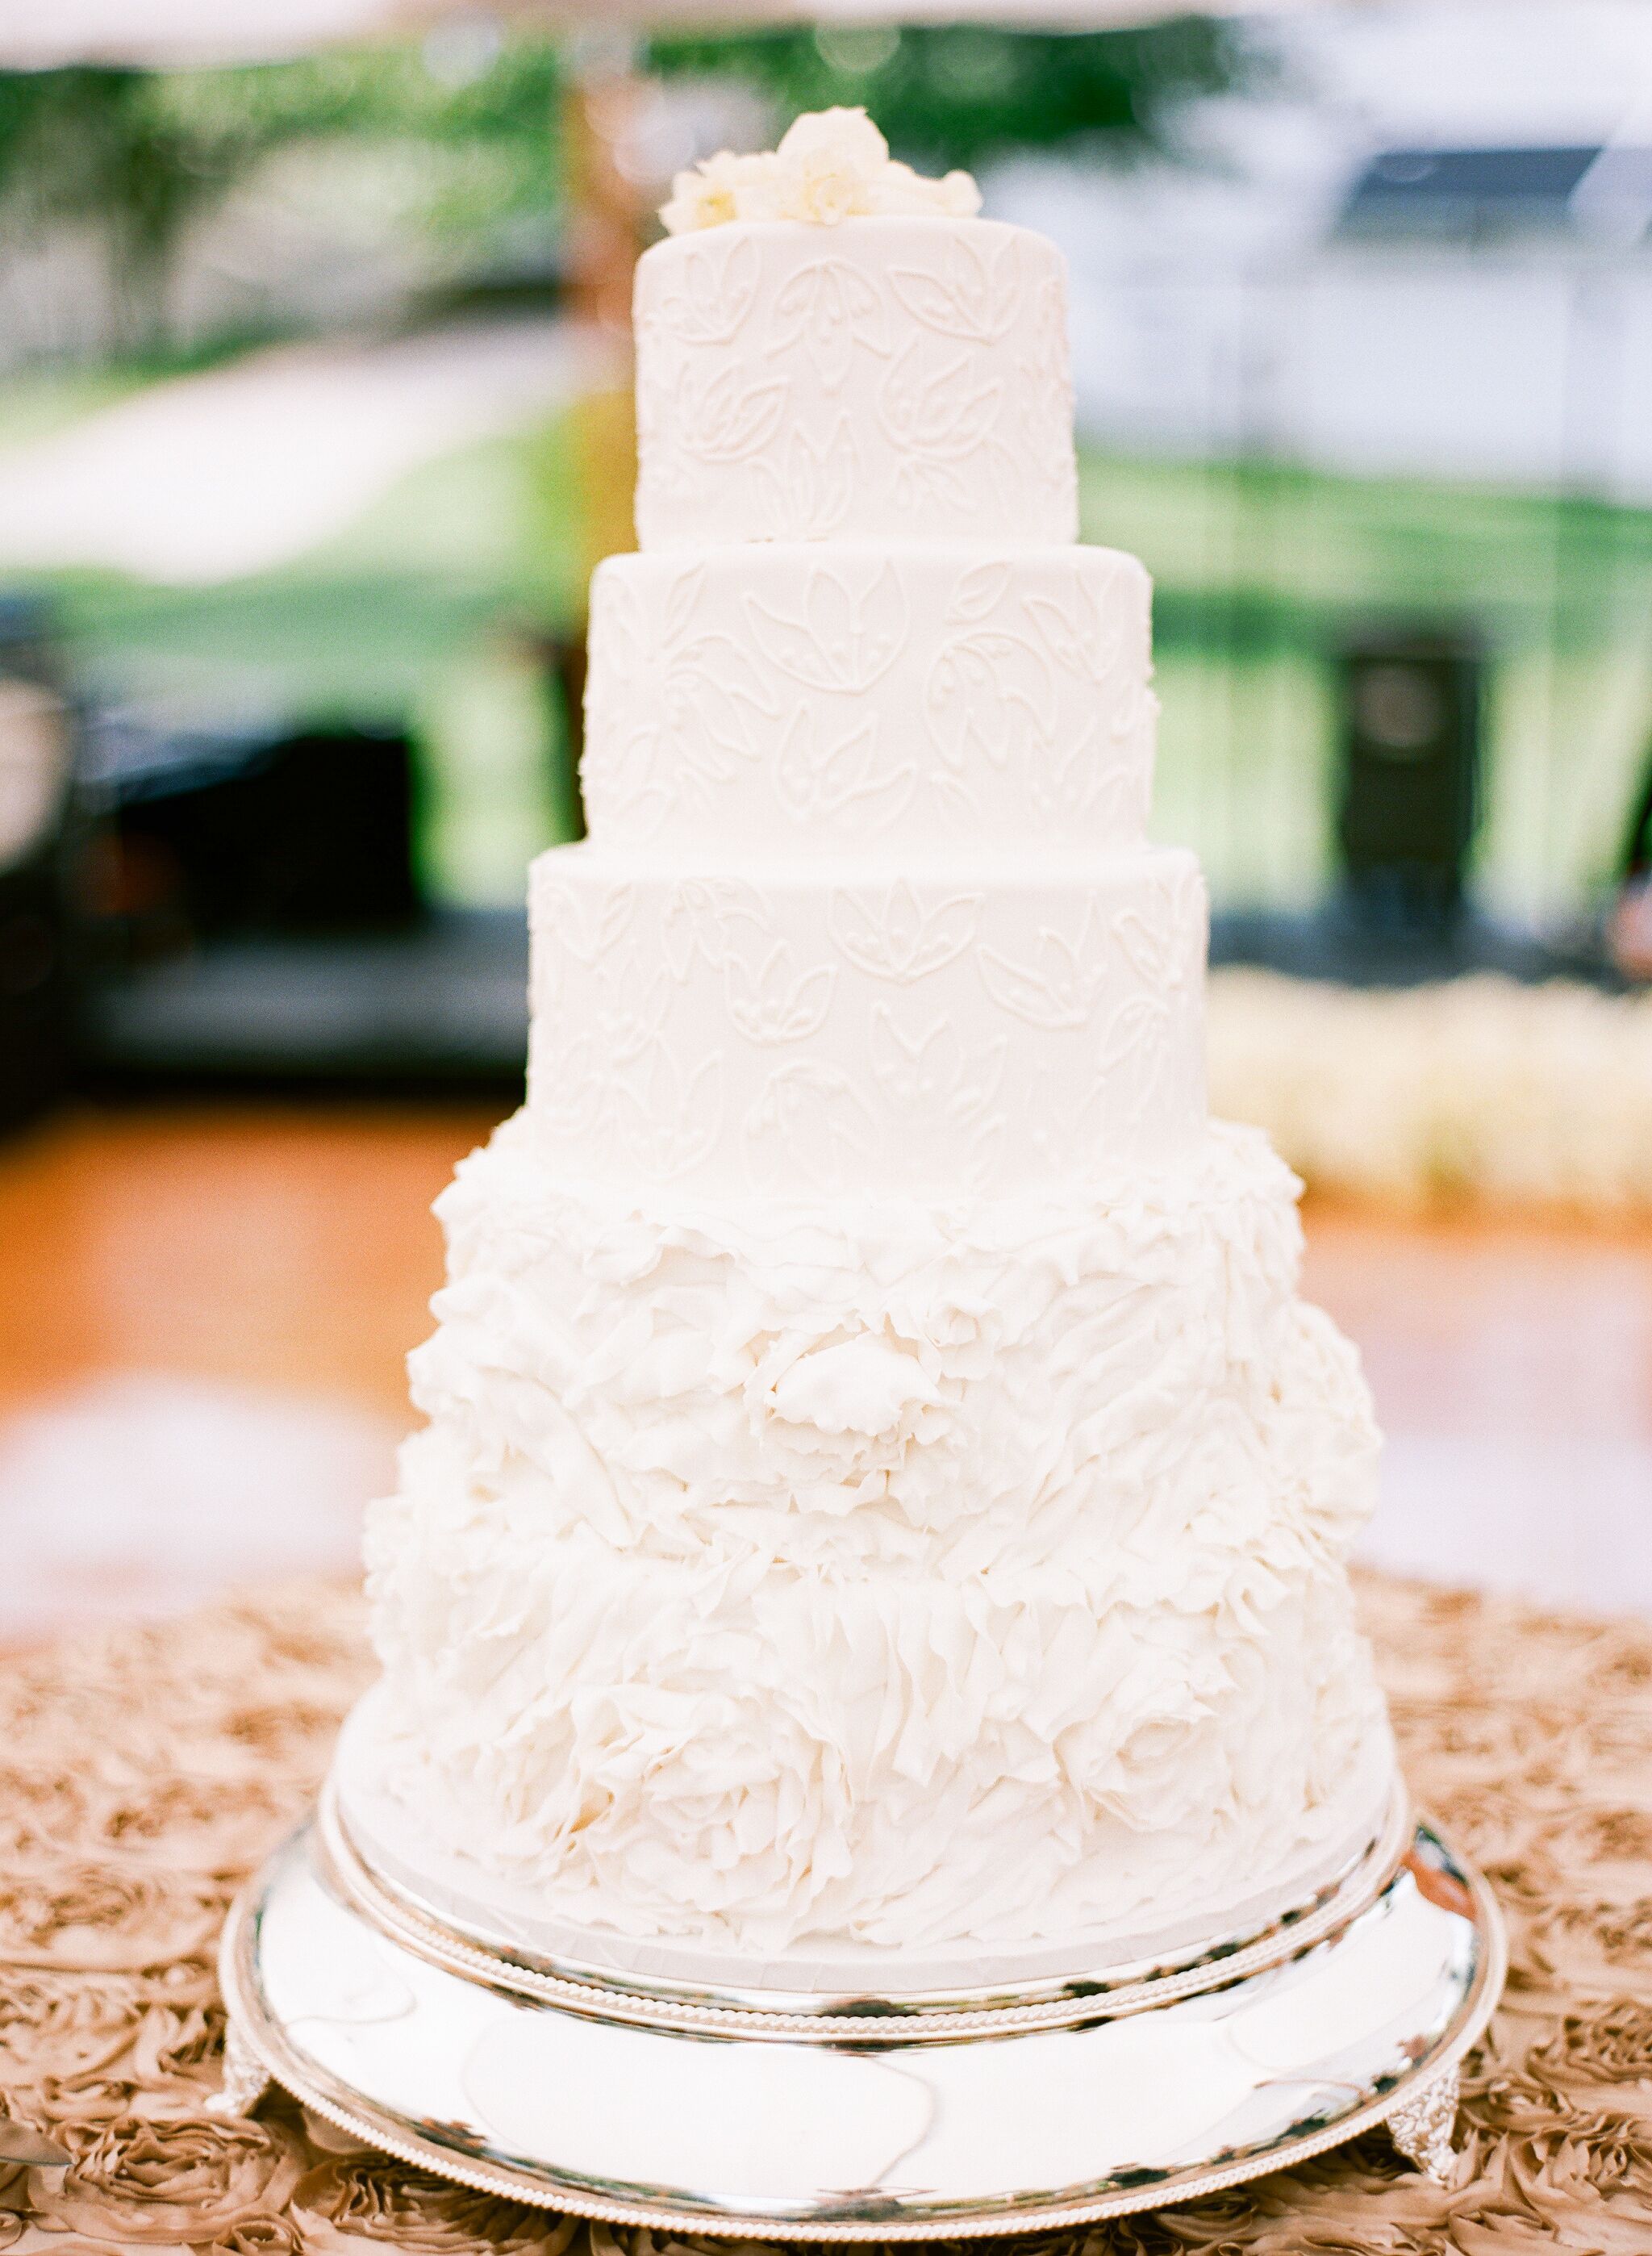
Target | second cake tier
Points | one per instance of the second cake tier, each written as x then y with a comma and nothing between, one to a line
991,1025
870,699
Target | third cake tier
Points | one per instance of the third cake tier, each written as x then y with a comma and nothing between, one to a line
987,1023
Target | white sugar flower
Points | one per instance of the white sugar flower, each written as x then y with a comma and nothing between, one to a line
900,190
846,138
833,164
704,197
830,162
959,197
721,188
761,187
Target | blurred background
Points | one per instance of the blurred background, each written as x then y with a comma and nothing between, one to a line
314,417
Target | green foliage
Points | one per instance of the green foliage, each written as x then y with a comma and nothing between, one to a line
962,94
97,146
137,155
486,134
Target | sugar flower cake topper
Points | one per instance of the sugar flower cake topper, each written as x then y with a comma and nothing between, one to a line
833,164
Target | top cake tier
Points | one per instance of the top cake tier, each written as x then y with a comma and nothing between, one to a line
886,378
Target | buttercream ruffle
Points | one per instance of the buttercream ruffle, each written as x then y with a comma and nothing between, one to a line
902,1573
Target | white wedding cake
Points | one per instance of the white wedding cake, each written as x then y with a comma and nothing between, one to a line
880,1491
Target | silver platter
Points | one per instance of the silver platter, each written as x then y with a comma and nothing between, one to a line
866,2120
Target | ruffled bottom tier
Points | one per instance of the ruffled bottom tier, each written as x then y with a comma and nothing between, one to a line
774,1575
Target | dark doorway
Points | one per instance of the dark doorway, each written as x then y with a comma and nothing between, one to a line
1409,795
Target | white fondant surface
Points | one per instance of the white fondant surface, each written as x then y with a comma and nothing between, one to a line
986,1024
887,703
881,379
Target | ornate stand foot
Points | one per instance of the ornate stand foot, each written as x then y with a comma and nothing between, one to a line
1421,2128
245,2077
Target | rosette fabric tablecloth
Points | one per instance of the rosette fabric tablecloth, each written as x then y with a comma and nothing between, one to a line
144,1773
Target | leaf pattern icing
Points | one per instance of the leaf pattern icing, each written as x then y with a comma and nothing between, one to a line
1165,943
825,781
943,343
639,1003
777,1002
965,293
710,291
710,918
931,1081
1084,634
746,695
843,638
940,1006
990,695
935,419
589,926
761,713
1133,1060
810,1130
1079,783
895,937
978,591
805,494
1058,987
571,1090
833,310
728,418
668,697
669,1115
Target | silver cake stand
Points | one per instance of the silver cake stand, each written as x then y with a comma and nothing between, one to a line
842,2116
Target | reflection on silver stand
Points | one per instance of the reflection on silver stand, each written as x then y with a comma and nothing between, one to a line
863,2116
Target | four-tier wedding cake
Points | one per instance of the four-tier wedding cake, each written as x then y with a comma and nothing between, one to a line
880,1490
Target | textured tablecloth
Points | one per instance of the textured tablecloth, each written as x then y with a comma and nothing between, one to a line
144,1773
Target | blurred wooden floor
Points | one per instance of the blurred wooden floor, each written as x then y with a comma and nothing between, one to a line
291,1248
1512,1363
296,1247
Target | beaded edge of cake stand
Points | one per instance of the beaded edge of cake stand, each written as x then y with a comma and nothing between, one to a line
1418,2105
870,2016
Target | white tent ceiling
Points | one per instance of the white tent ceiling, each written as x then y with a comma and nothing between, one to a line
186,31
182,31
